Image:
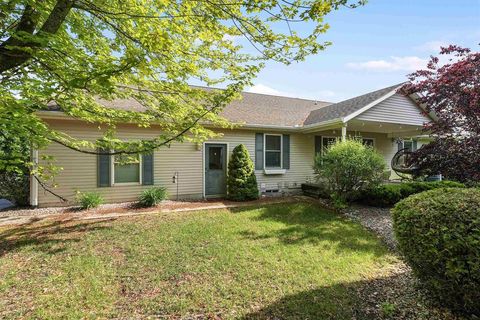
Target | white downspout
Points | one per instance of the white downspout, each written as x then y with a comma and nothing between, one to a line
33,181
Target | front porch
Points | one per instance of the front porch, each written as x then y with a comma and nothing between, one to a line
386,138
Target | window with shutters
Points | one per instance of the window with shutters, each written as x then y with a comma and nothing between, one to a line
126,169
273,151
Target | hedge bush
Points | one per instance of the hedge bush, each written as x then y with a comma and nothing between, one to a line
241,179
89,200
152,196
386,195
348,167
438,232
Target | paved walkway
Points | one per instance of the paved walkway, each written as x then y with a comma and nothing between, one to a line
15,219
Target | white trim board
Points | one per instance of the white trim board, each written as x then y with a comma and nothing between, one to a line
265,150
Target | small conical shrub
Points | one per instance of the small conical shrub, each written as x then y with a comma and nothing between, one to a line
241,180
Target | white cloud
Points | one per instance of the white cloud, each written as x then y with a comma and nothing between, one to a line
322,95
431,46
264,89
407,63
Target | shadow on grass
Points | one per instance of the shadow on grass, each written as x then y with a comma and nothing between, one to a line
393,297
310,223
49,237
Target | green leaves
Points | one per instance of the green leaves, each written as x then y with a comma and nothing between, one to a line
438,232
348,167
84,58
241,180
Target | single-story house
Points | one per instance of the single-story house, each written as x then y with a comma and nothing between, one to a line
282,135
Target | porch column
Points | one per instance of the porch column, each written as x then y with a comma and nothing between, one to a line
344,132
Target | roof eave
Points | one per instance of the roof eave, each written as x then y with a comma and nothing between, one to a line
324,125
60,115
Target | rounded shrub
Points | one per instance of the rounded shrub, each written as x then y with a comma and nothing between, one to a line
241,180
348,167
89,200
438,232
152,196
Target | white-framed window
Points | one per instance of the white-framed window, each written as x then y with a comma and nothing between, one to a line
369,142
126,169
408,144
273,152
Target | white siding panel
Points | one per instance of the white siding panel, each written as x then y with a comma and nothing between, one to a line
396,109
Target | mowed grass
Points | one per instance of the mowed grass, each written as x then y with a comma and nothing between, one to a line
286,261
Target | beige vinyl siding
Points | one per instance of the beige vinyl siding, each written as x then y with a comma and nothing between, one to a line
396,109
301,157
79,170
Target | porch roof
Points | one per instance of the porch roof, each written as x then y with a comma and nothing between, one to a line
347,107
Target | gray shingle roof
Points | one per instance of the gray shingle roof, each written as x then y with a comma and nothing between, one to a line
346,107
269,110
262,109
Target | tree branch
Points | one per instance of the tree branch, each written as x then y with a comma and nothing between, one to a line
153,147
12,53
44,186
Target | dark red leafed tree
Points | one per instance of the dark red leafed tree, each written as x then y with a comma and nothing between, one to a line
451,91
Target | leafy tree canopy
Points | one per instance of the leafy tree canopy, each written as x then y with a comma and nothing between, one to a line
77,54
451,91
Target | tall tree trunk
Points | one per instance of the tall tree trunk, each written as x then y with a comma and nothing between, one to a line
11,53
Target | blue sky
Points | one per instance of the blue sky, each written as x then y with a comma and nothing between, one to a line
373,47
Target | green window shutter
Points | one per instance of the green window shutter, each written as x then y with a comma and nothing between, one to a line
286,151
318,145
147,169
258,151
103,169
399,145
414,146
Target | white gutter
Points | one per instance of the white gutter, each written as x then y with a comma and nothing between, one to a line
63,116
254,126
322,125
54,115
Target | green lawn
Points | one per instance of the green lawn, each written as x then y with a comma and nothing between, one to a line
286,261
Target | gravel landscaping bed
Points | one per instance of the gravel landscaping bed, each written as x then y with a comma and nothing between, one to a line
397,295
132,207
378,220
27,212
